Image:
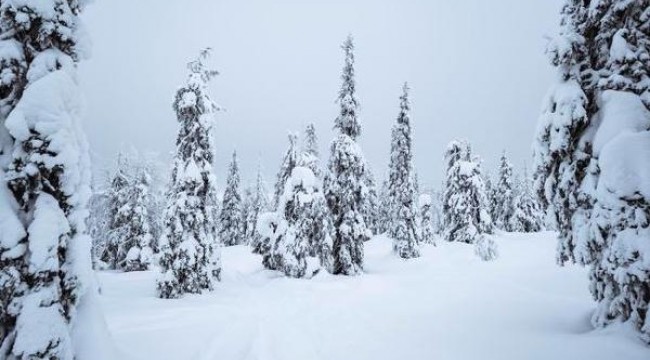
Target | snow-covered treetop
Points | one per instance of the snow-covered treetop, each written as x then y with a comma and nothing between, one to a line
404,105
193,96
459,149
311,141
347,122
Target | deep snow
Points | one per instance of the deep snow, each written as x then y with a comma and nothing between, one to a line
448,304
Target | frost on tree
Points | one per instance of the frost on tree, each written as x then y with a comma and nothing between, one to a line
189,251
231,219
299,228
289,161
465,212
504,195
426,219
590,152
259,205
345,182
403,227
45,265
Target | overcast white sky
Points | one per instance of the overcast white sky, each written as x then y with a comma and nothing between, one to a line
477,70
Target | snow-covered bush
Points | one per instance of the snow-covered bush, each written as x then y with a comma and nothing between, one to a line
403,226
485,248
189,251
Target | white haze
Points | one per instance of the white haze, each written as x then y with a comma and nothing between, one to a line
477,70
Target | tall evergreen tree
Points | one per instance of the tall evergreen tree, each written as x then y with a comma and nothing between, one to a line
231,220
189,250
345,181
403,227
504,195
466,216
561,155
601,55
259,205
44,182
112,254
139,240
289,161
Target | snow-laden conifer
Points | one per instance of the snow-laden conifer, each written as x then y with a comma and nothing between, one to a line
466,217
259,205
403,226
231,224
528,216
504,195
345,181
44,182
588,173
189,250
289,161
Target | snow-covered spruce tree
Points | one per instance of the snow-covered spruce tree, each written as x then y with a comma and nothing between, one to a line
117,197
259,205
345,182
308,228
504,195
403,227
289,161
426,219
45,265
527,216
230,219
310,156
596,120
620,276
189,250
466,216
562,154
139,239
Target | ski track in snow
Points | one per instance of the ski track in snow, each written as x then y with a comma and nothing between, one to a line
448,304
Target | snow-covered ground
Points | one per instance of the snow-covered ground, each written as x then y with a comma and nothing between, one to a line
448,304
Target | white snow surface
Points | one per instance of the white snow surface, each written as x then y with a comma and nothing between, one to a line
448,304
